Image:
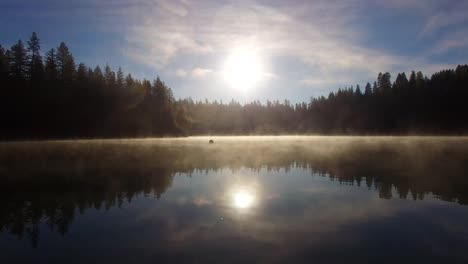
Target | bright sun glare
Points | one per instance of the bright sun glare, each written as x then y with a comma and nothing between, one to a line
243,69
243,199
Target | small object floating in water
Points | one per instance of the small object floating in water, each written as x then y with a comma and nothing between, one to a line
211,141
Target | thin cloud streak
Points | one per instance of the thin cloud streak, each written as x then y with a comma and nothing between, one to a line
444,19
200,73
452,42
321,36
325,40
324,35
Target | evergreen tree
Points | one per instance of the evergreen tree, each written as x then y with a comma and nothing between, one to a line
18,61
82,72
65,63
384,83
163,101
147,88
358,90
120,79
3,63
90,74
412,82
401,83
36,68
109,75
375,89
420,81
368,90
99,79
51,68
129,82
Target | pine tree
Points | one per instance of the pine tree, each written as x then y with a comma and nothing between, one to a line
90,73
412,81
358,90
36,68
3,63
375,89
120,79
99,77
129,82
163,106
51,68
109,75
368,90
401,83
65,63
18,61
82,72
384,83
420,81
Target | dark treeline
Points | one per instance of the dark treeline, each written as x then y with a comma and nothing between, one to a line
50,96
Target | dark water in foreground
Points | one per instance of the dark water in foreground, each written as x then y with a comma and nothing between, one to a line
242,199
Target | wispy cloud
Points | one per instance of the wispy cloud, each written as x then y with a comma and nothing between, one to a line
320,35
443,18
201,72
181,73
304,44
196,73
414,5
454,41
324,36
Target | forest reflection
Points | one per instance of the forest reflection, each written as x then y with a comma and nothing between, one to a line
50,182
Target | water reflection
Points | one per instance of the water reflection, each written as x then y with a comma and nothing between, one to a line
182,197
243,191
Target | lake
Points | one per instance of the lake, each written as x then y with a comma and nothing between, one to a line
287,199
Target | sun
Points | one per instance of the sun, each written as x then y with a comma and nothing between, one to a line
243,69
243,199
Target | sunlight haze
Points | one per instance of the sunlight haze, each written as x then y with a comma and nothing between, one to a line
311,47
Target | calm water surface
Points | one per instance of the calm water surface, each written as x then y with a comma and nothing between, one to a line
241,199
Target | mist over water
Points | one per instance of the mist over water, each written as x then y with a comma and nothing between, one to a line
263,199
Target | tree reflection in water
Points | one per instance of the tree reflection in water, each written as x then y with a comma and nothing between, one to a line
50,182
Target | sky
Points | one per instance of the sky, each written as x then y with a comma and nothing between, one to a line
304,48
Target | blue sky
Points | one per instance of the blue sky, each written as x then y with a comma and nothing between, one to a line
306,48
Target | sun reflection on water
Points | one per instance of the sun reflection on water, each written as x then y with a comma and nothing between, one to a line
242,194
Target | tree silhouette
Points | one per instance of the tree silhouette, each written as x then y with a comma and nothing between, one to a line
4,67
55,98
51,68
18,58
36,67
120,79
65,63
